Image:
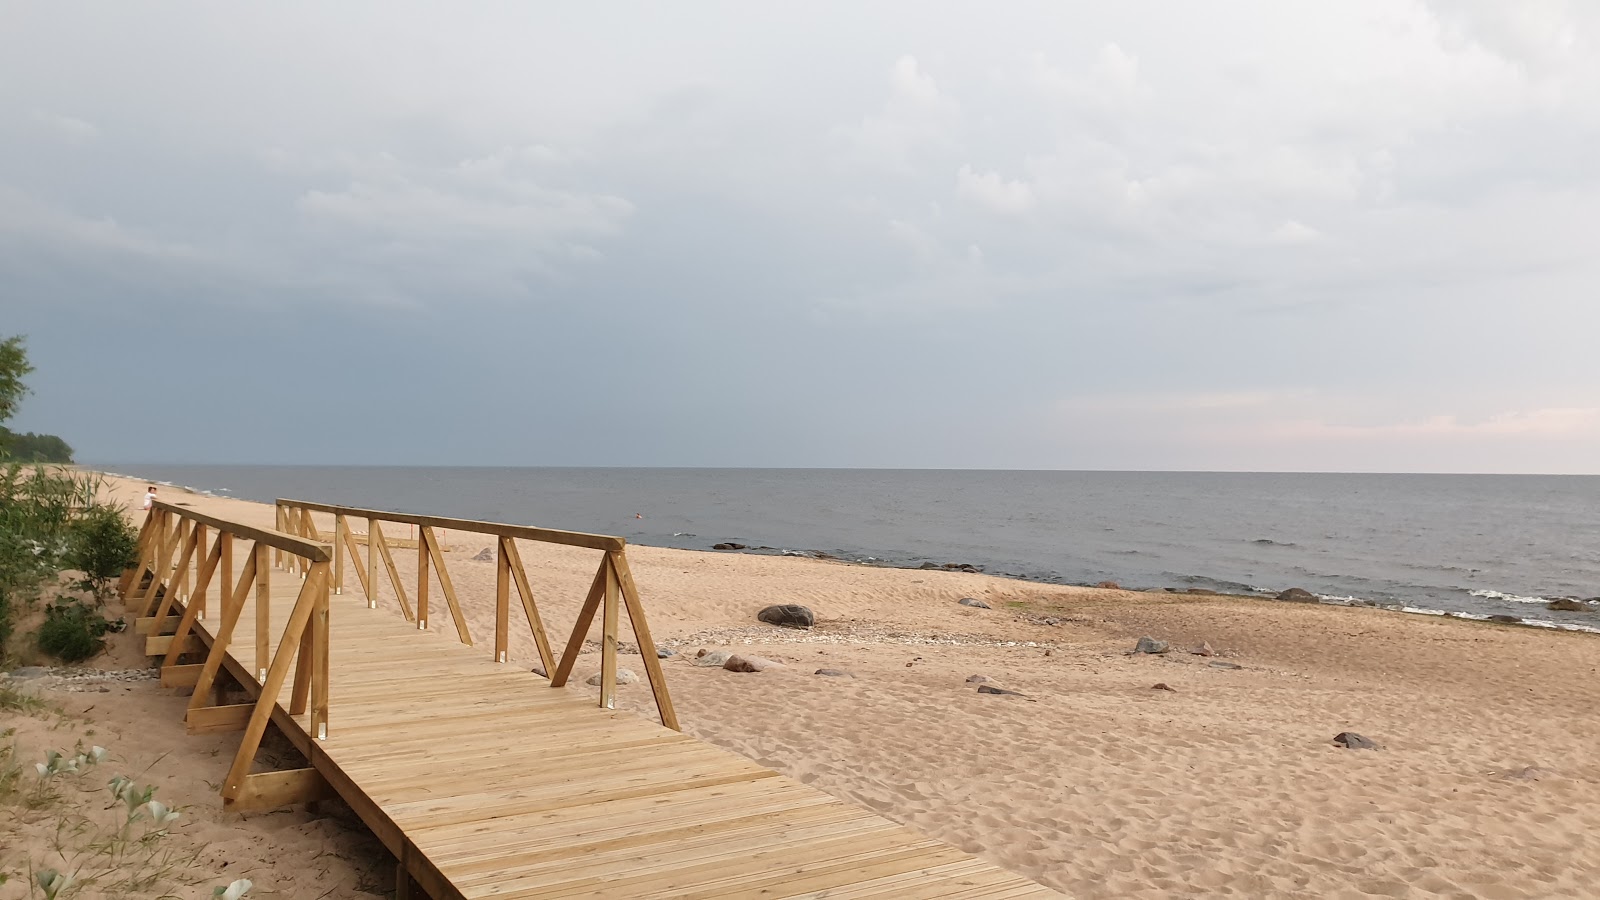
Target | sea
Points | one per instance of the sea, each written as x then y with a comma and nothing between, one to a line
1472,545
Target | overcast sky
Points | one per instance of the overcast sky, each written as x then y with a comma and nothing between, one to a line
1265,235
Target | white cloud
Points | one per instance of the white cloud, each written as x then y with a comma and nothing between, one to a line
993,192
69,128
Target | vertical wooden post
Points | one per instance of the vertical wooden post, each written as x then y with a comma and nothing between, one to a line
339,530
422,581
199,557
283,526
225,542
372,563
502,602
231,608
608,637
142,550
263,610
180,581
320,652
647,644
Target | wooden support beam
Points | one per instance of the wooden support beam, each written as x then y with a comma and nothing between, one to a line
271,790
647,646
231,611
422,583
535,623
341,531
216,719
202,583
147,625
502,603
161,571
580,628
371,583
525,532
181,676
141,553
319,666
180,579
361,568
263,610
394,574
431,541
233,787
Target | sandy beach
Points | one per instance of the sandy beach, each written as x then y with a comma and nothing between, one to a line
1093,781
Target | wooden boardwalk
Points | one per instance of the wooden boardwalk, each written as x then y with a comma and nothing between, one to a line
485,782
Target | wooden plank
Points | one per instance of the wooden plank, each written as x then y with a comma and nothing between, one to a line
319,667
647,644
214,719
431,541
525,532
502,602
540,640
341,532
270,790
394,573
181,676
608,635
162,645
580,628
191,610
147,625
422,582
279,670
371,584
225,567
311,550
263,633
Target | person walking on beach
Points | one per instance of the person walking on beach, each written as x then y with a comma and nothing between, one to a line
149,497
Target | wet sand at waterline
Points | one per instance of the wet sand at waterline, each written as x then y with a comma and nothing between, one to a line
1093,782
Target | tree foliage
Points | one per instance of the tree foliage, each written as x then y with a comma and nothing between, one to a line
14,368
30,447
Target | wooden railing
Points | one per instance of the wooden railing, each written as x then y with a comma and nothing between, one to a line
612,589
157,585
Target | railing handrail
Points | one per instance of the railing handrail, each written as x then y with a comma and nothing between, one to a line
606,542
310,550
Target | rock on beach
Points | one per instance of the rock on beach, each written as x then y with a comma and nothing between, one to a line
788,615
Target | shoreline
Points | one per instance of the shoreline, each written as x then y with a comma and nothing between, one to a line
1254,592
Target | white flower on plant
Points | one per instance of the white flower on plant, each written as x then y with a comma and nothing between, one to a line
160,813
98,754
120,786
234,891
53,883
42,769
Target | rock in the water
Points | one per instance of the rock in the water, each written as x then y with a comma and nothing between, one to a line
788,615
712,658
1163,686
834,673
929,565
1201,592
1151,645
664,652
1567,604
748,664
1109,586
624,676
977,679
1298,595
1352,741
485,555
1203,650
1506,620
991,689
728,546
974,602
1223,664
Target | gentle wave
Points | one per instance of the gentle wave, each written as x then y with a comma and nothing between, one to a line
1510,598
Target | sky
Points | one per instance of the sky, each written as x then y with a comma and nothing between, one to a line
1238,235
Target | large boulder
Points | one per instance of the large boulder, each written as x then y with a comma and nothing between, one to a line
728,546
624,676
1298,595
1352,741
1151,645
788,615
1567,604
742,663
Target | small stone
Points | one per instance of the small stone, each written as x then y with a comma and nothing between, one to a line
833,673
664,652
1224,664
1049,651
1109,586
1298,595
27,673
788,615
974,602
748,664
484,555
1151,645
1567,604
1352,741
977,679
624,676
708,659
991,689
1203,650
1162,686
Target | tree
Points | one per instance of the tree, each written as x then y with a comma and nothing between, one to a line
13,368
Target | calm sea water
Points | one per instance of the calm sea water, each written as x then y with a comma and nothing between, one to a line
1478,544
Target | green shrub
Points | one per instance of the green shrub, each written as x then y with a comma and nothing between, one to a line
101,544
73,631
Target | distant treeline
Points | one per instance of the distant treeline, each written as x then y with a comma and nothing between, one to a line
30,447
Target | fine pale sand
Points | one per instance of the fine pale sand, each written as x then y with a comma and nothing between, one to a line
1095,783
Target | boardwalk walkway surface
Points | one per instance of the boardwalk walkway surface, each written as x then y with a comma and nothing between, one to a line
485,782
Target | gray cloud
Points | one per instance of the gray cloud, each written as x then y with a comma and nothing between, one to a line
1253,235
